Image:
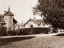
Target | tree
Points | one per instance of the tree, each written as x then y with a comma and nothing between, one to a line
53,11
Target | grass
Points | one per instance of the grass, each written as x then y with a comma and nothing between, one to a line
33,42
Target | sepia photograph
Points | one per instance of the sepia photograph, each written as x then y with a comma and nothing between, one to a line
31,23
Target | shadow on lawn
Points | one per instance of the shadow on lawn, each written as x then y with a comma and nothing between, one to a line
5,41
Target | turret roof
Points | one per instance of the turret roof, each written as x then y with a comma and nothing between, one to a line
9,13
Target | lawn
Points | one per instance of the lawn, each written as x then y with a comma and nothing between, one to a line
33,42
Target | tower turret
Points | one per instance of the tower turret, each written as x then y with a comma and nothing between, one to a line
8,17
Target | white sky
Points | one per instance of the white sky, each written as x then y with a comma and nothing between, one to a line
22,9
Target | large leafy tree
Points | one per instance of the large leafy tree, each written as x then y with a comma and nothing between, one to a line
53,11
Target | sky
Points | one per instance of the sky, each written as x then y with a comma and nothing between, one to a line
22,9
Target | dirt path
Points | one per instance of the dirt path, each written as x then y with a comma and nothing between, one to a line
36,35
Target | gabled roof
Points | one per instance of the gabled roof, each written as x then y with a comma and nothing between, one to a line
8,13
38,22
14,21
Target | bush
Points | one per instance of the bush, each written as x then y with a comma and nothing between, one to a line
3,31
23,32
17,31
55,30
10,32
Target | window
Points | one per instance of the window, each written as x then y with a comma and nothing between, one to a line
31,26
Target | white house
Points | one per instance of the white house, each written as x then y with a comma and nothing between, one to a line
36,23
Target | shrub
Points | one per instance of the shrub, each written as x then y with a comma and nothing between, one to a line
17,31
10,32
3,31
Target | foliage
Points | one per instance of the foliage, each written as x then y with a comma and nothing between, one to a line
3,31
10,32
53,11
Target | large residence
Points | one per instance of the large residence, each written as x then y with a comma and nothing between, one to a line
36,23
7,20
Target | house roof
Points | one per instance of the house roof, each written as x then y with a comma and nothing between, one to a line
3,21
8,13
14,21
38,22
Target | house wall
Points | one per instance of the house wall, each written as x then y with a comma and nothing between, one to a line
1,18
9,22
36,25
30,23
